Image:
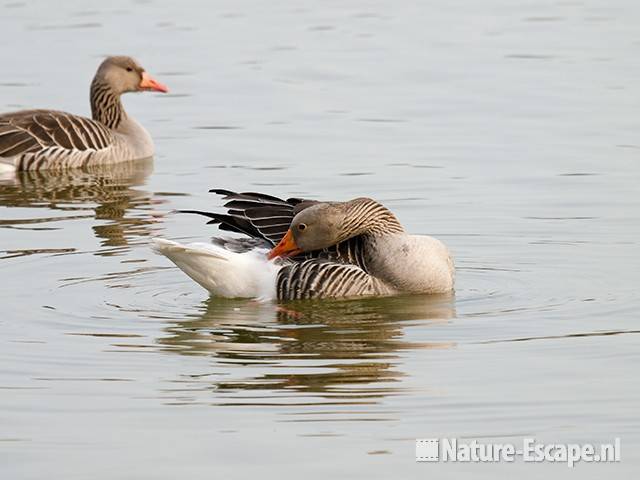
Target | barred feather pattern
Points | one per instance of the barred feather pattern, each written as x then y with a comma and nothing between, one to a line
35,139
364,216
351,251
106,106
319,278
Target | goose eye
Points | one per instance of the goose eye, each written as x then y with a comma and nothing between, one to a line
302,226
129,69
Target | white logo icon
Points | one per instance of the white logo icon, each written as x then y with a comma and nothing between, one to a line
427,450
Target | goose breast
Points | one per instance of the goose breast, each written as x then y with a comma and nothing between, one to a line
411,263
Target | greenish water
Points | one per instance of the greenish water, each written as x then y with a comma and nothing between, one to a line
509,130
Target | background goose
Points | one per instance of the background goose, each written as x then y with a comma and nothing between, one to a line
330,250
38,139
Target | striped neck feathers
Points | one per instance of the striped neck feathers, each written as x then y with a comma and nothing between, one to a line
364,216
106,106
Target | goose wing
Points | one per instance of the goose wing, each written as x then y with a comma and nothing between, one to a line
322,278
257,215
31,131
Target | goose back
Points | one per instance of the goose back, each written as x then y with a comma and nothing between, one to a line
39,139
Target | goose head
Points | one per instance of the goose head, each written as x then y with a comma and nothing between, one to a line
124,74
324,225
314,228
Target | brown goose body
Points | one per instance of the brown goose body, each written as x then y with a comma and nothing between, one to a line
51,139
331,249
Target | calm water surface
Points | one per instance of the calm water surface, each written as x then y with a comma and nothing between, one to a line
507,129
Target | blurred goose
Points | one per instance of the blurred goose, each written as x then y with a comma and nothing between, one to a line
39,139
323,250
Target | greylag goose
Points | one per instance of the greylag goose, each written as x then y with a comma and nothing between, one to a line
321,250
39,139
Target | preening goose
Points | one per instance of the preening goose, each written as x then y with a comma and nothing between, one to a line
322,250
39,139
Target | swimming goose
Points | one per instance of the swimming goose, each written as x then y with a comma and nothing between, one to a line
321,250
39,139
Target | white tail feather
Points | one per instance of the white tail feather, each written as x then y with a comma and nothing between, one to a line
221,272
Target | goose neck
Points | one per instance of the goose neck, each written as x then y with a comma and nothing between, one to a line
364,216
106,106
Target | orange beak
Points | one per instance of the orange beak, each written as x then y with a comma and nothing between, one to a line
149,83
286,248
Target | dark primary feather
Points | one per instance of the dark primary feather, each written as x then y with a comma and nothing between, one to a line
31,131
255,214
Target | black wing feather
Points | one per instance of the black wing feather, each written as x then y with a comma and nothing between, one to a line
267,218
255,214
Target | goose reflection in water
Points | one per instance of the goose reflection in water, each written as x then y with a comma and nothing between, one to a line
101,193
344,351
